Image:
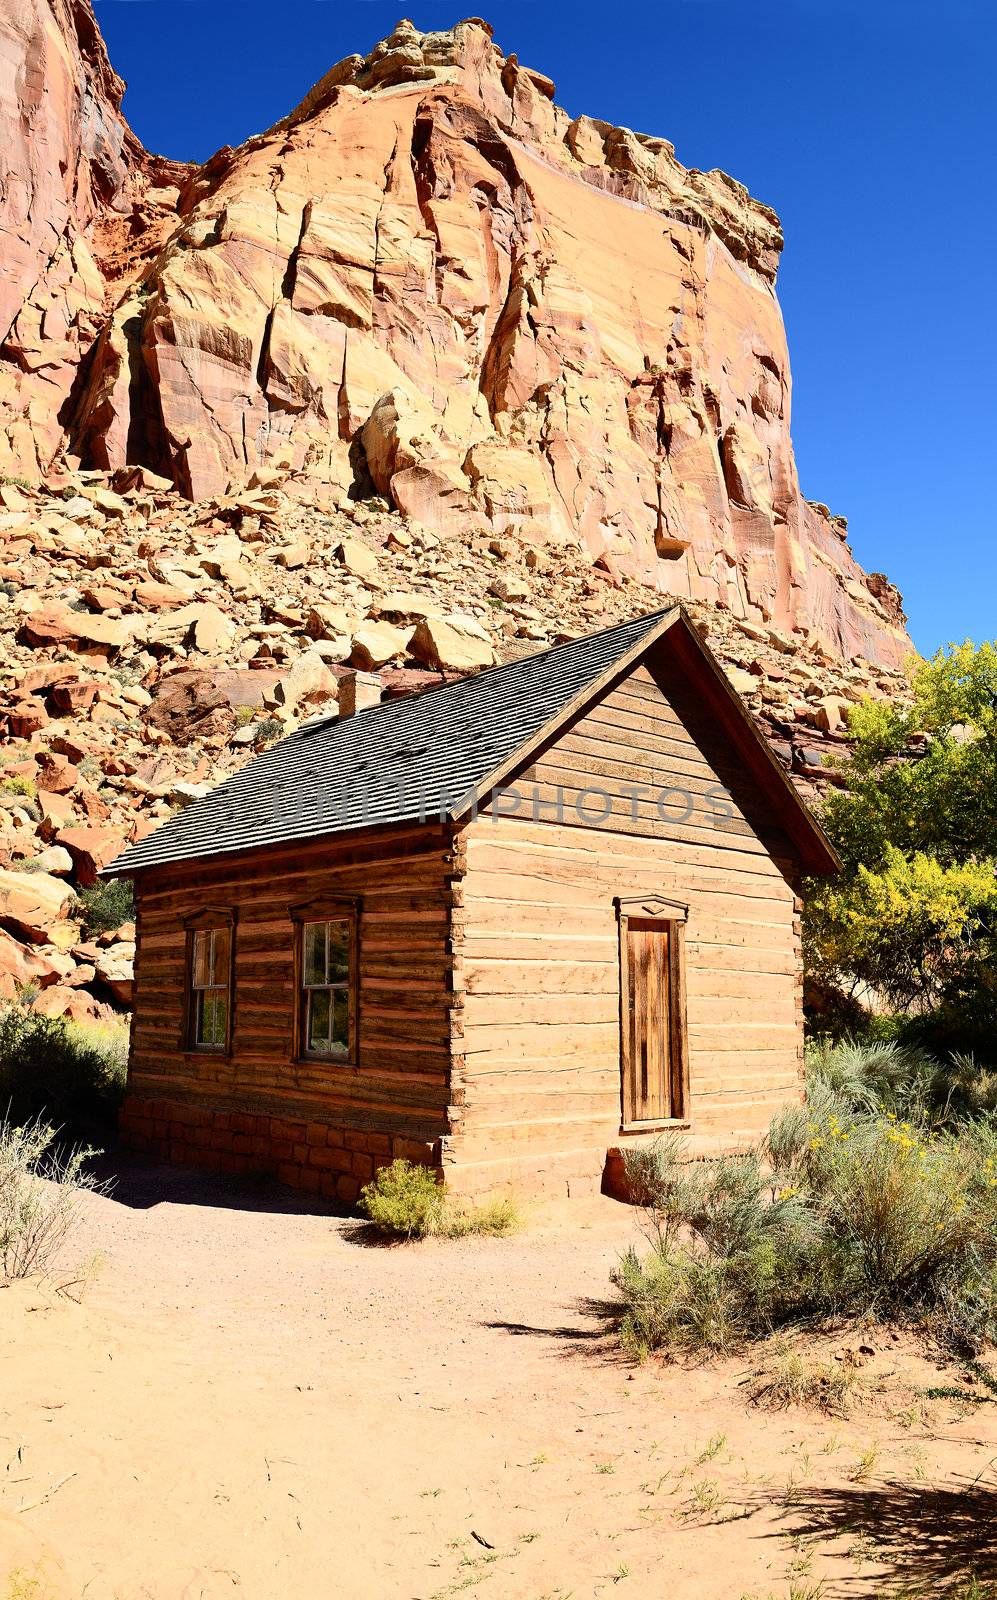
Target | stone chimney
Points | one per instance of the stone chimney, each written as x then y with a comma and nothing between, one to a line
357,692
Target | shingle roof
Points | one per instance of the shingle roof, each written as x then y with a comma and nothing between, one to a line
413,759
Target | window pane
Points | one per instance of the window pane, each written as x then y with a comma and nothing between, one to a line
219,1016
339,952
201,976
341,1022
315,952
319,1012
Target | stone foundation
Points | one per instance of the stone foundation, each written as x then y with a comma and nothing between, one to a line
316,1157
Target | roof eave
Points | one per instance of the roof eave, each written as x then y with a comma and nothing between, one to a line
817,853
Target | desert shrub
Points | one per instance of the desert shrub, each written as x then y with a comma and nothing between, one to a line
73,1074
106,906
268,730
893,1075
495,1217
403,1199
40,1197
406,1201
18,784
849,1206
725,1251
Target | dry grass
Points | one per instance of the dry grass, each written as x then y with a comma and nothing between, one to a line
792,1377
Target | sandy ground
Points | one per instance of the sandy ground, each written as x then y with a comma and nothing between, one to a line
249,1402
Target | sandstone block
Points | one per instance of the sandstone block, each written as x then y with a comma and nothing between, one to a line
455,641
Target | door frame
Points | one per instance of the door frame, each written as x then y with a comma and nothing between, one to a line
674,914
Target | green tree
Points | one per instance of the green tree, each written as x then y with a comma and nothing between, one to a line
913,915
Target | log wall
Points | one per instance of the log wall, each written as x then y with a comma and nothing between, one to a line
321,1125
538,945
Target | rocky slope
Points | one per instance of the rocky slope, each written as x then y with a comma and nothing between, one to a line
428,282
150,645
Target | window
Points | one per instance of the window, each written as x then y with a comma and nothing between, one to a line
327,983
654,1041
210,967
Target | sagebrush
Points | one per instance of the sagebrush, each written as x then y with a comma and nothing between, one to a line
878,1196
41,1191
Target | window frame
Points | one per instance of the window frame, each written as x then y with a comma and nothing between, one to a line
208,919
326,909
674,915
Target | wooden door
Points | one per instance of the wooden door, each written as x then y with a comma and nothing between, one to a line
649,1087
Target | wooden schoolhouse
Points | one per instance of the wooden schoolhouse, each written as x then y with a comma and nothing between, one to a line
505,927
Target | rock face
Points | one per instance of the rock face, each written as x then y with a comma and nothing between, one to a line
81,205
430,283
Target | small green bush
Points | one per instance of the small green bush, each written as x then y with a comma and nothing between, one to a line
407,1202
40,1196
73,1074
106,906
403,1199
17,784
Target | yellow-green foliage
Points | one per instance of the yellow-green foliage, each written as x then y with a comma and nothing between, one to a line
407,1201
914,913
908,927
17,784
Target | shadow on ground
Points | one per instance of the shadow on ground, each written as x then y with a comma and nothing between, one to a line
142,1185
925,1535
572,1335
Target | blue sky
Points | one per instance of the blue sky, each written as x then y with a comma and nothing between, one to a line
869,127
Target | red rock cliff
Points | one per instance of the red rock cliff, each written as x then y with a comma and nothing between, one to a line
428,281
80,204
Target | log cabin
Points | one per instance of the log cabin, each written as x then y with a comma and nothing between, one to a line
507,928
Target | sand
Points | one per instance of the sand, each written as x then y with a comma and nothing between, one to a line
249,1401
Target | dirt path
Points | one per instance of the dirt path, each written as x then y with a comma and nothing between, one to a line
249,1402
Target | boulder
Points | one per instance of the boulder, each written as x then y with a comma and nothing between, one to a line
325,621
358,559
191,703
91,849
455,641
76,630
63,1001
114,969
309,682
56,774
376,643
32,904
20,966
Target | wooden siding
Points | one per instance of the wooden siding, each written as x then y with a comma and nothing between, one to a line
401,1082
538,940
